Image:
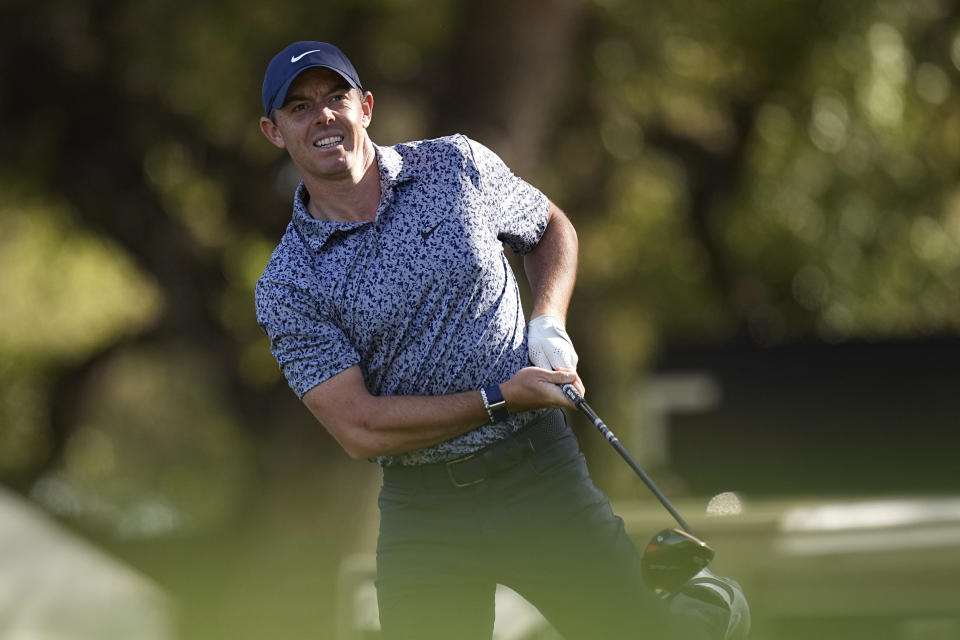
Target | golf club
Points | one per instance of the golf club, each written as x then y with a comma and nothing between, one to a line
673,555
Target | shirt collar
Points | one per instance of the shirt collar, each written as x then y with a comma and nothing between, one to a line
392,171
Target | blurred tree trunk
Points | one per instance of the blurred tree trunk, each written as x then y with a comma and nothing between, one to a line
508,74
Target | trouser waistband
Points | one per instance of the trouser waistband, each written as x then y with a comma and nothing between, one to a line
494,459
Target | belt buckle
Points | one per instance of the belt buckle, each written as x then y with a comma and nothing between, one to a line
453,478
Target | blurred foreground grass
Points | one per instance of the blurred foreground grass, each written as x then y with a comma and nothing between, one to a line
272,572
274,575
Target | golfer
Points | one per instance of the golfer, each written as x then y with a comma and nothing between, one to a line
394,315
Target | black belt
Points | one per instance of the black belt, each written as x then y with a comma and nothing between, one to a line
487,462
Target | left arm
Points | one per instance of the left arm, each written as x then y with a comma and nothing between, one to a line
551,266
549,259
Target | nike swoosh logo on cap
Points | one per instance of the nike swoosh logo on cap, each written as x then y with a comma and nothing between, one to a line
295,58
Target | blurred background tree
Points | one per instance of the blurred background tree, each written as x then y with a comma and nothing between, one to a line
767,171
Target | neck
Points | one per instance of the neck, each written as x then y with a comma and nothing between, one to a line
353,197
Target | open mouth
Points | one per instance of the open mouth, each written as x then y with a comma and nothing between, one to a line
329,142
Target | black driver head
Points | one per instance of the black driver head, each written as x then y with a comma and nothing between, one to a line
672,557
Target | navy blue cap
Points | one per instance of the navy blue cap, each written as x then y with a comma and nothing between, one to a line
299,56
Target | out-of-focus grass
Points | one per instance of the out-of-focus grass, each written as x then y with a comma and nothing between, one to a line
271,573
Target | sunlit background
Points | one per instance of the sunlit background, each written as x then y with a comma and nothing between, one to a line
768,301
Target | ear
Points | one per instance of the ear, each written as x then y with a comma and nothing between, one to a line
366,106
272,133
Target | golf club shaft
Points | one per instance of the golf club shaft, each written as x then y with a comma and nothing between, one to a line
574,396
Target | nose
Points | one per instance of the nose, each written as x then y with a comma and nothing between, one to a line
325,114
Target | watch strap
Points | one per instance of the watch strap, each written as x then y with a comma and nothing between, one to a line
496,406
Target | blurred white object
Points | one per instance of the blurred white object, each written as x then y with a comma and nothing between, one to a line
54,585
870,526
517,619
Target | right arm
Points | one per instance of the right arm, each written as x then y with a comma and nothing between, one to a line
367,426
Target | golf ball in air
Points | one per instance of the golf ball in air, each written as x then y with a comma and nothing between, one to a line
725,504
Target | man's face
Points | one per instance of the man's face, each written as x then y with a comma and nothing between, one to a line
322,125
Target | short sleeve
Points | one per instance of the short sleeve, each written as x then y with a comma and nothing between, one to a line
308,347
521,210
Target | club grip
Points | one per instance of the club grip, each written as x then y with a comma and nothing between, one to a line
572,394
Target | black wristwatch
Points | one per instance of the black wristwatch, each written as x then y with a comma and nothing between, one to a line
495,404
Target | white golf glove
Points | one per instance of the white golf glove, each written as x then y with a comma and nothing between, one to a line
549,345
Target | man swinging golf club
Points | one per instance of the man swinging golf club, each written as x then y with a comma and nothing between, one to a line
395,316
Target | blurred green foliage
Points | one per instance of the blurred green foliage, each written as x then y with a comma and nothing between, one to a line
146,467
66,291
778,171
762,170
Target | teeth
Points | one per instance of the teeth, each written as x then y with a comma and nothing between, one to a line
328,141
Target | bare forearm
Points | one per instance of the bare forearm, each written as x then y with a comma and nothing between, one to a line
551,267
367,426
390,425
